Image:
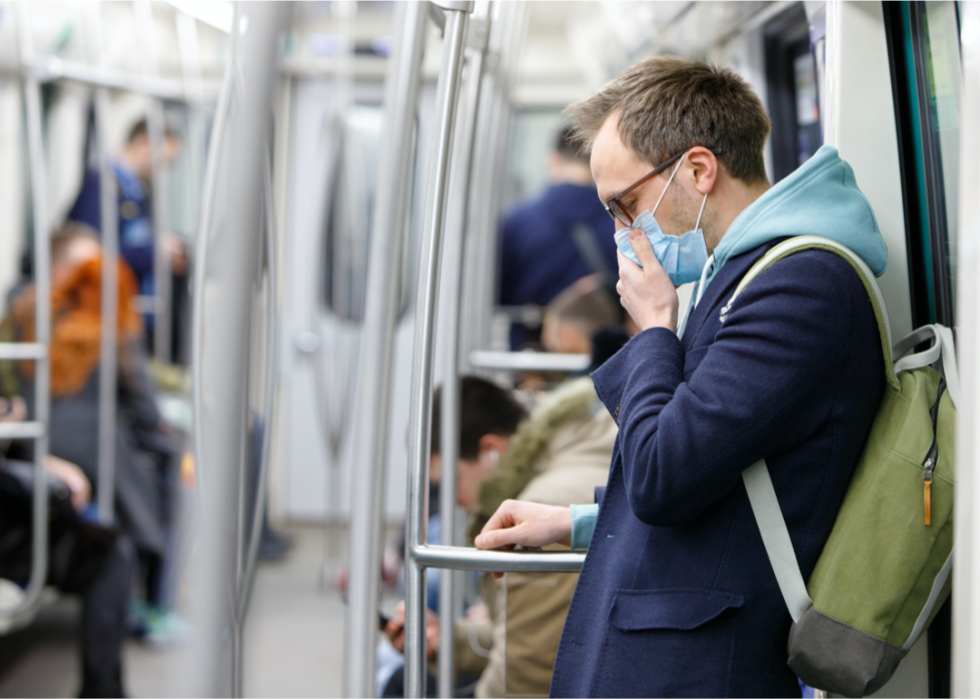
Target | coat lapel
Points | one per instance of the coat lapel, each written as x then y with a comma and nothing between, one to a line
720,288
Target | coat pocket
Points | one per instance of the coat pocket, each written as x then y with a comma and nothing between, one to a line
676,642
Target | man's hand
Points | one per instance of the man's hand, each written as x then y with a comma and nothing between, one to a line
74,478
526,524
646,292
177,252
395,631
14,410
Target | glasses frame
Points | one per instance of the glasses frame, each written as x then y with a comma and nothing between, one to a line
618,212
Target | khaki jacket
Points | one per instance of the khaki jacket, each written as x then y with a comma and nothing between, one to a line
516,649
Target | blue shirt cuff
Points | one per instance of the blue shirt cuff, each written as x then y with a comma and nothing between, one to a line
583,524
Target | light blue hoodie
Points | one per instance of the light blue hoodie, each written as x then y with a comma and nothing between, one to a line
820,198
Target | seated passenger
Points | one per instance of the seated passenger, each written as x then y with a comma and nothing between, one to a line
83,558
557,457
144,454
577,314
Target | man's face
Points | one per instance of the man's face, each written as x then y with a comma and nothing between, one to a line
76,253
615,168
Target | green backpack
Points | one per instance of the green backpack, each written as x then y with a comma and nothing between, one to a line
884,571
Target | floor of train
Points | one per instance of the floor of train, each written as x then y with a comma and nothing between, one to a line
294,641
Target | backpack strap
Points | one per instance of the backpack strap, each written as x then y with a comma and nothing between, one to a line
813,242
775,537
758,481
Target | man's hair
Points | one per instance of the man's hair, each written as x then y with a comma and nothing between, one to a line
485,408
568,146
141,130
66,235
586,305
667,105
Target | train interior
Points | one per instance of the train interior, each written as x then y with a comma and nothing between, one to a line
272,168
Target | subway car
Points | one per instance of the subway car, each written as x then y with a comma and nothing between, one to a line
302,300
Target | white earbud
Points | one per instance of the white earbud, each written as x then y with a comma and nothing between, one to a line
494,456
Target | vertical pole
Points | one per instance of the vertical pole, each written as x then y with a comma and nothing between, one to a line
156,132
226,316
966,566
109,215
457,240
447,94
42,307
373,397
201,251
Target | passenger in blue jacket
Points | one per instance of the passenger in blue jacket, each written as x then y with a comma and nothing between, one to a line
133,170
549,243
677,596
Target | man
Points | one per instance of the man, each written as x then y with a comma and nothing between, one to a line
577,314
83,558
133,168
549,243
557,456
677,596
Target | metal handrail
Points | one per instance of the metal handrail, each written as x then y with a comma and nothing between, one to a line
450,599
245,582
109,217
52,68
22,430
466,558
201,250
447,97
42,328
225,355
372,407
156,135
22,350
528,361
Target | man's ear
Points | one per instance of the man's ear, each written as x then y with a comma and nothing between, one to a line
704,168
494,442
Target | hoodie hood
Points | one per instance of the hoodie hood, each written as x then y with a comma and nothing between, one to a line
820,198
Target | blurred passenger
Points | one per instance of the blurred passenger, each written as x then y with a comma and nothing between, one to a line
550,242
144,453
133,169
83,558
557,456
576,314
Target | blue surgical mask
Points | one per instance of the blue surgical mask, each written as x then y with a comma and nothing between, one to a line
682,257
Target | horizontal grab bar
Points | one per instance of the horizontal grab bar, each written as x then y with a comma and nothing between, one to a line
21,430
22,350
528,361
466,558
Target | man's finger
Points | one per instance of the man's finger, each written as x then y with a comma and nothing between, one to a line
641,246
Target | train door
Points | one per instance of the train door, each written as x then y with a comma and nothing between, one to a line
924,56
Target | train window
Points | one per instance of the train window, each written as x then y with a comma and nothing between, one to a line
927,79
532,139
791,89
350,202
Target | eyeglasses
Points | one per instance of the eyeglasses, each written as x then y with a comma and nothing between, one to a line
616,209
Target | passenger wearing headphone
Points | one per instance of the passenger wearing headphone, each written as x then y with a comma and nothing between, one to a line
557,456
677,596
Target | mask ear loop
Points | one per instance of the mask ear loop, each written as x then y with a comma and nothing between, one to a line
703,202
657,205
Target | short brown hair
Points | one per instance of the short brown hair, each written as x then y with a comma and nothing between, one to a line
68,234
586,305
667,105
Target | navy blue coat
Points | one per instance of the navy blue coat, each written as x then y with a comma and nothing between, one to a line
538,255
677,596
